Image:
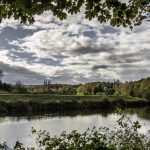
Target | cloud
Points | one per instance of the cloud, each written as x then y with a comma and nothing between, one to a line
76,50
12,74
96,67
125,58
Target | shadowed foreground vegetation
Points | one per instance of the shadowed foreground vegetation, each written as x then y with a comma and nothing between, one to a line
125,137
14,104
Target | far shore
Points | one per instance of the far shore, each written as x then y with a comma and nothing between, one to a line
28,104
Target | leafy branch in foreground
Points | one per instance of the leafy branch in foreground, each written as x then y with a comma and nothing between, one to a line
124,137
116,12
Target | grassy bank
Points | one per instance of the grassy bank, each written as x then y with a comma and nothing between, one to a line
43,98
13,104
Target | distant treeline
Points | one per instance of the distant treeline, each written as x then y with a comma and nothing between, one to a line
139,88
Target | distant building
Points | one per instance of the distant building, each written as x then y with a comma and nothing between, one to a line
47,81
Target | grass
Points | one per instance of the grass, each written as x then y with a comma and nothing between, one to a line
3,92
53,98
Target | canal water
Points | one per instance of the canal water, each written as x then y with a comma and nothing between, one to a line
15,128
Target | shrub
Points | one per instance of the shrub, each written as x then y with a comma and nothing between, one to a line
146,93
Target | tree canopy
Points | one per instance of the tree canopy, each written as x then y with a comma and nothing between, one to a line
127,13
1,74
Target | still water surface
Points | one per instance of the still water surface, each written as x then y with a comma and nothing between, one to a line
19,128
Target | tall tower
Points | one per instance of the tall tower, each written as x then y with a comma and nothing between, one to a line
47,81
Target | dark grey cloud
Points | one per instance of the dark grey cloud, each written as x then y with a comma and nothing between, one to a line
124,58
51,62
29,57
134,73
90,34
96,67
8,34
90,50
13,74
110,30
63,78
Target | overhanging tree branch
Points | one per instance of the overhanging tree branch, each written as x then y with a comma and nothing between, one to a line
116,12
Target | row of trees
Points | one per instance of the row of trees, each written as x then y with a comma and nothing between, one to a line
105,88
17,88
4,86
96,89
139,88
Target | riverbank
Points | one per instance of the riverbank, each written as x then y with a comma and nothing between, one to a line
17,104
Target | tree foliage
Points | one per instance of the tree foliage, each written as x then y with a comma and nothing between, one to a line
115,12
139,88
1,74
19,88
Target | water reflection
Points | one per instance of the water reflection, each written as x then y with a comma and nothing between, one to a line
143,113
19,128
71,114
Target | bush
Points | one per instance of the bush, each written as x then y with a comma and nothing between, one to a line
146,93
15,91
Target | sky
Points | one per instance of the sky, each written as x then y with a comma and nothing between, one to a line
72,51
